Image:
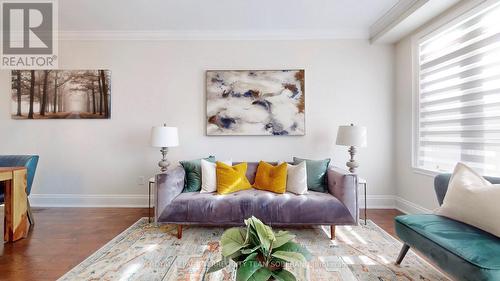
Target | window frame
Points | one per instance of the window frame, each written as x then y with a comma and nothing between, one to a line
445,21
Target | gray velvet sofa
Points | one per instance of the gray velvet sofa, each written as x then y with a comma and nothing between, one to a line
337,206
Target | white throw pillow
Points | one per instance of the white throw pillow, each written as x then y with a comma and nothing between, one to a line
209,176
296,179
472,199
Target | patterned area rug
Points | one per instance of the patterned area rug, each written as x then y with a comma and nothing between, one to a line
147,252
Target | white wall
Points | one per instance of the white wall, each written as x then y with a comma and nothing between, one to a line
415,191
97,162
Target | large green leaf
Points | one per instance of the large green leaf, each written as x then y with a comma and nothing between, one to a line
248,222
252,257
264,233
262,274
253,237
247,269
264,230
275,260
237,256
232,240
282,237
283,275
289,256
248,235
219,265
249,250
294,247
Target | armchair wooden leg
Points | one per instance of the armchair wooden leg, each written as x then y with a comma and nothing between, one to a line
31,218
332,232
402,254
179,231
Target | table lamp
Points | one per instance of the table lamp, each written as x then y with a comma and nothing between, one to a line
164,137
353,136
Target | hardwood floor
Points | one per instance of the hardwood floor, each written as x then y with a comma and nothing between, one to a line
383,218
63,237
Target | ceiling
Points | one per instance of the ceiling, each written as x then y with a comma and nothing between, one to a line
337,18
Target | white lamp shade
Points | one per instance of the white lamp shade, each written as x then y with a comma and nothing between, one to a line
164,136
351,136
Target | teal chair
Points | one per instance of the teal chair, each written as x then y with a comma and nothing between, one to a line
28,161
466,253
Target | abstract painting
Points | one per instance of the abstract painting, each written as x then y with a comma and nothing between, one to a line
255,102
61,94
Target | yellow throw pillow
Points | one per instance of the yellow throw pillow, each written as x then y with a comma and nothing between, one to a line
231,178
271,178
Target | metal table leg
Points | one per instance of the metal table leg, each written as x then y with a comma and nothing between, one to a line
365,202
363,182
149,203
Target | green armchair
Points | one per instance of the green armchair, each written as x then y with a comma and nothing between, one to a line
28,161
466,253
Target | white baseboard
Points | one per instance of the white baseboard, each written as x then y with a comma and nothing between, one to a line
408,207
392,202
109,200
139,201
88,200
378,202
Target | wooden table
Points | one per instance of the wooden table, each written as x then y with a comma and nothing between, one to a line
16,208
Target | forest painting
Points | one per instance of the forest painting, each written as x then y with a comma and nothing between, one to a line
256,102
61,94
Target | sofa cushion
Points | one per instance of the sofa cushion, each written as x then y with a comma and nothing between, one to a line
469,243
252,170
272,208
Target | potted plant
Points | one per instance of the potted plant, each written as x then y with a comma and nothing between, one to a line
260,254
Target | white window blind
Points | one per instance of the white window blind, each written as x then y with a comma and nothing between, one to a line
458,116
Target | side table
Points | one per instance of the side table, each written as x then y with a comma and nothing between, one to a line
16,224
362,181
150,184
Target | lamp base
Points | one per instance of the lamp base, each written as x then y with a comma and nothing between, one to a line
352,164
163,162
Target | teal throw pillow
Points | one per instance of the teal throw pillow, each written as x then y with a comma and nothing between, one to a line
192,181
316,173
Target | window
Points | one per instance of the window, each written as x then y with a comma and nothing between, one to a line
458,95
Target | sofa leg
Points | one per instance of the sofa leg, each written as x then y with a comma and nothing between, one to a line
402,254
179,231
332,232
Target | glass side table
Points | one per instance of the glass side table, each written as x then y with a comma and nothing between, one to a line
151,184
362,181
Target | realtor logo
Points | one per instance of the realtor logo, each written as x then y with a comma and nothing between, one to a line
28,37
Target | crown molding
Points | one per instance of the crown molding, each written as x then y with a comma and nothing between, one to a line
400,11
405,17
212,35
